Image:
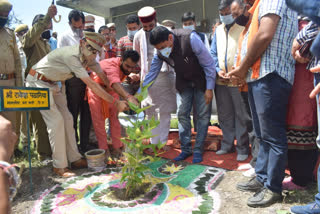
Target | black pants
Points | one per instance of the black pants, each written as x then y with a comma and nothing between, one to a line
301,164
75,91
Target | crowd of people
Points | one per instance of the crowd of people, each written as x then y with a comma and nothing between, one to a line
256,65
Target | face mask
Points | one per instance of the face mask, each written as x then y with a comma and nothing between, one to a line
131,33
166,52
242,19
190,27
3,21
78,32
20,38
227,20
46,34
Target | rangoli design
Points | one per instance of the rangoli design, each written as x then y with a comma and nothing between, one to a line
174,188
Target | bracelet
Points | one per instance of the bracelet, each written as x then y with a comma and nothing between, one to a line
14,178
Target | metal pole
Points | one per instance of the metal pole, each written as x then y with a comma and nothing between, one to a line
29,153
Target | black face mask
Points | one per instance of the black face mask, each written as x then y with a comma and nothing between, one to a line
3,21
46,34
242,19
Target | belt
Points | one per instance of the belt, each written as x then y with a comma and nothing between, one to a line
7,76
40,76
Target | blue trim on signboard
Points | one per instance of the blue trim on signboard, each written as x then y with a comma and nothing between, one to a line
2,108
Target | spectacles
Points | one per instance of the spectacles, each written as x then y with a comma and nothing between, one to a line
112,29
106,34
91,49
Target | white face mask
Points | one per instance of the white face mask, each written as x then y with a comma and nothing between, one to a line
227,20
131,33
166,52
190,27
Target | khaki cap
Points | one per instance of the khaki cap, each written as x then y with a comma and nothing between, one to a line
110,25
168,23
96,40
5,6
21,27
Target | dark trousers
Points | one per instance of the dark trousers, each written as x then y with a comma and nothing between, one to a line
232,117
77,105
301,164
40,134
253,140
184,103
268,99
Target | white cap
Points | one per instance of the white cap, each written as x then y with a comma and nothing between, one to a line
89,21
147,14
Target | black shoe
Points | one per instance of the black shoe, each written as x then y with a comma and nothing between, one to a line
252,185
264,198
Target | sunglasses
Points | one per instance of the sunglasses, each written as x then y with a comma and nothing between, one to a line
91,49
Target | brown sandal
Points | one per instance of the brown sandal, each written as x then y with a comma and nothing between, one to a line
64,172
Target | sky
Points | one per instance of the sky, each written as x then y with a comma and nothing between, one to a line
26,10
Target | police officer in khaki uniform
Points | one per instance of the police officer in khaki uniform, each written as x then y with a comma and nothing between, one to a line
10,69
35,45
60,65
21,128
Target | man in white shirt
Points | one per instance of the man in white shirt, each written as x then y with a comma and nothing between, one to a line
162,95
75,88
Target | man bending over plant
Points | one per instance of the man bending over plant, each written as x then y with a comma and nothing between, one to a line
183,50
117,70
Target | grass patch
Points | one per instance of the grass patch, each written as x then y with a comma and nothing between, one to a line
24,158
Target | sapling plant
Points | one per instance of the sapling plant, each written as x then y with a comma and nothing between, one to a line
133,172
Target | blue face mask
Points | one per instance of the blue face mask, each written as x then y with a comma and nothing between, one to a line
166,52
190,27
131,33
227,20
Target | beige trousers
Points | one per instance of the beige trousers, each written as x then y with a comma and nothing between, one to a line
59,123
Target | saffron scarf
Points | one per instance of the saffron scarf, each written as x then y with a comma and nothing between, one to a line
254,26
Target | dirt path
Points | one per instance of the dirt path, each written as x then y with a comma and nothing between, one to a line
233,201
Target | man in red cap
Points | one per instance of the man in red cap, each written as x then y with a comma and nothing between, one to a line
161,97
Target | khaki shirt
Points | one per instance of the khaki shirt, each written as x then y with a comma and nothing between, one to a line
64,63
34,46
9,55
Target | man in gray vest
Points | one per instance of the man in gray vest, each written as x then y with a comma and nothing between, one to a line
183,50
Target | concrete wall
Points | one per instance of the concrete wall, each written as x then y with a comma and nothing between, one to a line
168,9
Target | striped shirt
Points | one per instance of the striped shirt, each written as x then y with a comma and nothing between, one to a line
309,33
124,44
277,57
